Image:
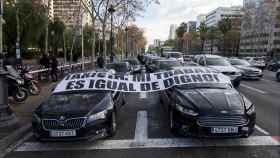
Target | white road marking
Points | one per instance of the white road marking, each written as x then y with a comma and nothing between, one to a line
261,130
253,89
143,95
150,143
141,129
16,145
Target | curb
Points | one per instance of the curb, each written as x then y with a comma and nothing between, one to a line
13,137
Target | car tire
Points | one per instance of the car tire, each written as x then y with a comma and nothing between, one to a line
34,89
113,125
20,95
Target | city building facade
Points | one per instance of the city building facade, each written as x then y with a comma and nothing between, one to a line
260,33
191,26
70,12
235,15
172,32
213,18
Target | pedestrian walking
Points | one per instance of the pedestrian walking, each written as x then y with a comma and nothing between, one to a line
54,68
45,64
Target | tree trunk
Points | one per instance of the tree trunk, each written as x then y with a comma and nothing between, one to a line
93,43
202,45
104,42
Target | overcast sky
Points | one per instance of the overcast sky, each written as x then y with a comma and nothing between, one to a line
157,18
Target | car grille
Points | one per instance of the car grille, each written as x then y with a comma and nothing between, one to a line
253,72
73,123
211,121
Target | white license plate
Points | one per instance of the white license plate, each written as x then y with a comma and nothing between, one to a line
224,130
68,133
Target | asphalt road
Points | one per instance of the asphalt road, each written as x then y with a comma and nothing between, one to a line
143,132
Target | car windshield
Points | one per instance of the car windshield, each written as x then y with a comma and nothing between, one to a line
217,62
71,102
168,64
175,55
239,62
122,67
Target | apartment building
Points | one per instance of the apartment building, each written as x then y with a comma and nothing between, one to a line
260,31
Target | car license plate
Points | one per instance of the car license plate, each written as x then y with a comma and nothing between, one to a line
217,130
68,133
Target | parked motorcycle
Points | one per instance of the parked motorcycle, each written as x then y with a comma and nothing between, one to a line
29,82
15,85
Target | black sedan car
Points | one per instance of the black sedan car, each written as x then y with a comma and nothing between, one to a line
209,110
77,115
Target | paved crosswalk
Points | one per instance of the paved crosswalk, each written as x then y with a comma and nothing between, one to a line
142,141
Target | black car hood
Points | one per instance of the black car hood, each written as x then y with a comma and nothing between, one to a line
213,101
82,109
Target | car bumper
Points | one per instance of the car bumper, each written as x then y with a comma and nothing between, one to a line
252,76
189,126
91,131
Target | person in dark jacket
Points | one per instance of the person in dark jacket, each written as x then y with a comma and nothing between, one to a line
45,63
54,68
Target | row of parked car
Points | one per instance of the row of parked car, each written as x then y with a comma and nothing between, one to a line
235,68
200,109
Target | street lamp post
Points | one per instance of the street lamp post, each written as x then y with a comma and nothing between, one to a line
7,117
111,10
126,42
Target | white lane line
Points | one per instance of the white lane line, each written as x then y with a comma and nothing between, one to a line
151,143
253,89
261,130
16,145
143,95
141,129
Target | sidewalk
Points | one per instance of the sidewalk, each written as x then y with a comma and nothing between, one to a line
23,111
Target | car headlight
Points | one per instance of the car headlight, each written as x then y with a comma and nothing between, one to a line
36,118
250,108
98,116
186,110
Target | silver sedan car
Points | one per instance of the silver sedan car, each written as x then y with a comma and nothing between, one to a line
247,70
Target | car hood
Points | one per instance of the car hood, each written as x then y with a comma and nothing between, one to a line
247,68
224,68
213,101
82,109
